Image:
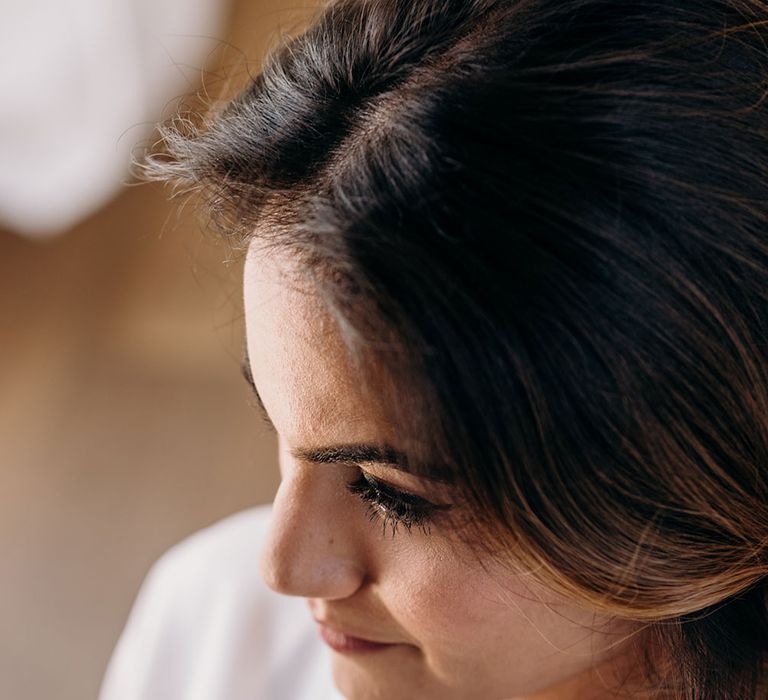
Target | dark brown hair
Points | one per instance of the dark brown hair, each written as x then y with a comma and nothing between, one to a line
544,222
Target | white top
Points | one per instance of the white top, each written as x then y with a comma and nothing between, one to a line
205,627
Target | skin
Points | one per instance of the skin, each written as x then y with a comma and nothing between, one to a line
461,628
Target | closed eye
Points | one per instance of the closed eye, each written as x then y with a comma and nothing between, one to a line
394,507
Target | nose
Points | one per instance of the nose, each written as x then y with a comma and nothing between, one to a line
311,550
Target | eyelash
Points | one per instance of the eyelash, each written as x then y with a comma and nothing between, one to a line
394,508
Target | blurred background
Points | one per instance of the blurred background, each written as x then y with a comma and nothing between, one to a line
124,422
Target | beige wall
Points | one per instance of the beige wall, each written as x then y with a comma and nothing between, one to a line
124,423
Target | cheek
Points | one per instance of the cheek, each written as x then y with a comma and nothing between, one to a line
471,623
447,603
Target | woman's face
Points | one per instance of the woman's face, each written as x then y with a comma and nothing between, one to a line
439,623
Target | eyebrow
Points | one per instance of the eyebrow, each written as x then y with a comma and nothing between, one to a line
355,453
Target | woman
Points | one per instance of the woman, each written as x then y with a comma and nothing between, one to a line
505,297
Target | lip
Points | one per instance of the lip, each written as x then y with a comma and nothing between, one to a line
346,643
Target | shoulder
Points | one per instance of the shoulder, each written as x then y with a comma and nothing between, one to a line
205,625
214,567
222,554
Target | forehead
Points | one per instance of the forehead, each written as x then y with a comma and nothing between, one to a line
298,358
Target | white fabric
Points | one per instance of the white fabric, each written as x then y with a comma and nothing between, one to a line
205,627
82,82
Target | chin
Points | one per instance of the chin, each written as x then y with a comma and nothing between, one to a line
395,681
355,684
365,678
